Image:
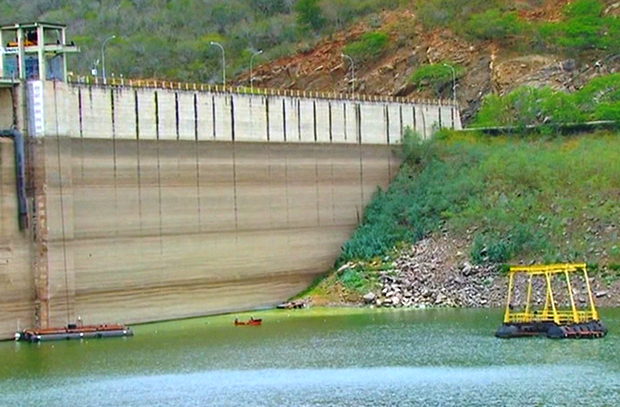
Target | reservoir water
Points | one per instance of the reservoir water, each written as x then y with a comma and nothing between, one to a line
318,357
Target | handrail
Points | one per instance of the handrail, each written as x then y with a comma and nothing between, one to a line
548,268
188,86
561,316
550,312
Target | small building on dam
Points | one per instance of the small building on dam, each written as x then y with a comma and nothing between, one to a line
133,201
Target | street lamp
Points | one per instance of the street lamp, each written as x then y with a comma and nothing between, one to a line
223,61
103,55
352,71
453,83
251,70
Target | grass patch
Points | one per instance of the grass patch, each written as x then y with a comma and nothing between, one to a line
435,76
370,46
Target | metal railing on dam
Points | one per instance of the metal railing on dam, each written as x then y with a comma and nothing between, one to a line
151,204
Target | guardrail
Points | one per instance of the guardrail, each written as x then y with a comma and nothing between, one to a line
201,87
561,317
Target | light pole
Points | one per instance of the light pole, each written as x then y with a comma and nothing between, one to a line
111,37
223,61
453,83
260,51
352,71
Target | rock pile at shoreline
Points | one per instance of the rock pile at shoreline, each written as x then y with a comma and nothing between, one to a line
427,275
436,273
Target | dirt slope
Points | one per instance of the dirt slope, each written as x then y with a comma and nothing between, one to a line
488,66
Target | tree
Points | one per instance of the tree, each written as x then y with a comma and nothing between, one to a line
310,14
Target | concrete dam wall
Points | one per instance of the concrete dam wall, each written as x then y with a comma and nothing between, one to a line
158,204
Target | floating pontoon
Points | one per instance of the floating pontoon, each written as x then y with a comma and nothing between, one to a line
551,320
73,331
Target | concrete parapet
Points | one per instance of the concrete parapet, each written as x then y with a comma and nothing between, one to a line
146,113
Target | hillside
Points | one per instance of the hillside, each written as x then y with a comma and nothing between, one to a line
502,46
398,46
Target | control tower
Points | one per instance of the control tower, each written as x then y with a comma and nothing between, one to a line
34,51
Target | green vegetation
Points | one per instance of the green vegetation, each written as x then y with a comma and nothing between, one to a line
435,76
535,198
452,13
585,25
368,47
171,39
309,14
493,24
598,100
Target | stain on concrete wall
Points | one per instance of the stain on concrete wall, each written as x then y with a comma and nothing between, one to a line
167,229
16,282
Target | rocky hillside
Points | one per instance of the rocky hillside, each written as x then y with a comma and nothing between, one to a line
497,66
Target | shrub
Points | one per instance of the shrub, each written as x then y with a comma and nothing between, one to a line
494,25
369,46
584,28
598,100
451,13
309,14
435,76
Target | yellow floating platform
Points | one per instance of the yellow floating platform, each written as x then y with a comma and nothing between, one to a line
551,320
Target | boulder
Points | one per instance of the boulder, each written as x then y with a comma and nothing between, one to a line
370,297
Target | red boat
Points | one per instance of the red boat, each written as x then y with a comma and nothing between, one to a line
251,321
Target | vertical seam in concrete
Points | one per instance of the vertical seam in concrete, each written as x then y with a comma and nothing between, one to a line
333,189
113,119
402,126
235,191
284,118
138,163
267,117
344,114
195,116
299,119
439,110
358,122
286,189
452,116
331,130
386,113
424,123
314,115
415,124
197,152
62,207
232,118
213,115
157,136
81,118
269,169
361,178
176,114
316,179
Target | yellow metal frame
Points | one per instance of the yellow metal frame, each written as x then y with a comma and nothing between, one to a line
550,313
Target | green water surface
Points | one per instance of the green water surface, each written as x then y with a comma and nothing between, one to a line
318,357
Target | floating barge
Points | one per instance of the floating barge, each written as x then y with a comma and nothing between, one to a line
72,331
524,320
